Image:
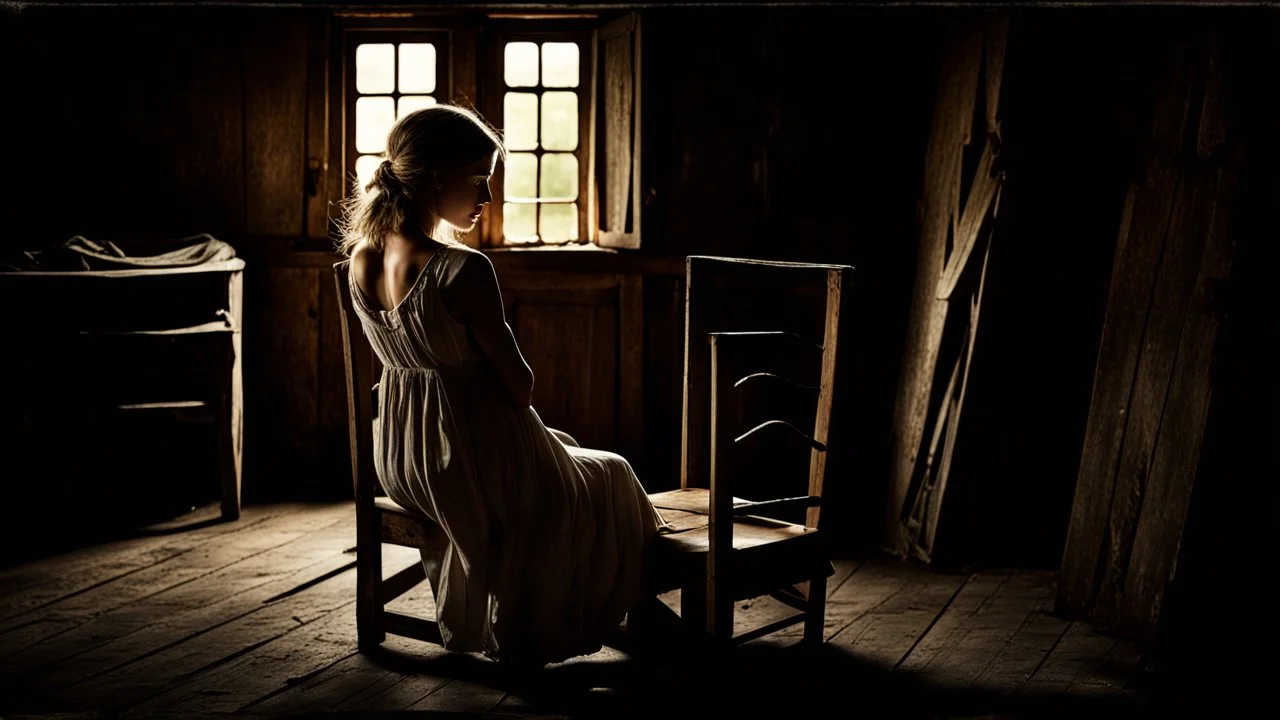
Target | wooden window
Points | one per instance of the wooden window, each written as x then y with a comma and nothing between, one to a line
387,74
565,92
563,89
545,107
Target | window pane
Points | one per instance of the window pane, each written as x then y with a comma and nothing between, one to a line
560,120
365,165
520,121
375,68
520,176
520,66
560,64
408,103
519,222
374,118
559,176
558,222
417,67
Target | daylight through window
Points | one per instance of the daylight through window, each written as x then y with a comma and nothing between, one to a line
540,122
392,80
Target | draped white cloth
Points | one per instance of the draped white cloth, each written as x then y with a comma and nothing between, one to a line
545,538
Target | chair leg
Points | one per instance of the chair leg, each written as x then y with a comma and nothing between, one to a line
815,612
369,629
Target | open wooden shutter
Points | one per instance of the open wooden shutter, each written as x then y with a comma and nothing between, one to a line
618,167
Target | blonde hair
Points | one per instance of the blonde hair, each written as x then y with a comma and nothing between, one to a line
403,194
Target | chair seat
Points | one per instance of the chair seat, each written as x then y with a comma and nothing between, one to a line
401,526
767,553
387,505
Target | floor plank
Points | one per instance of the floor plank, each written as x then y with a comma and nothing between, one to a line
1026,651
977,627
176,665
185,613
206,575
284,660
272,667
397,692
37,583
461,696
260,621
345,683
1082,663
888,631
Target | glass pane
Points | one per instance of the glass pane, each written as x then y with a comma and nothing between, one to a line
408,103
519,222
375,68
520,121
558,222
374,118
417,67
559,176
365,165
560,120
520,178
560,64
520,65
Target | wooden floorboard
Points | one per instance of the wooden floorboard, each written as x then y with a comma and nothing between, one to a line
1027,649
908,602
977,627
78,623
177,616
38,583
1084,663
259,620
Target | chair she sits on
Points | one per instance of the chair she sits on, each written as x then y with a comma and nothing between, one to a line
752,332
378,519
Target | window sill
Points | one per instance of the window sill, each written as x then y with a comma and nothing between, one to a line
585,258
577,247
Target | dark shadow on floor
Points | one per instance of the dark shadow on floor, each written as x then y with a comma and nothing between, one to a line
766,680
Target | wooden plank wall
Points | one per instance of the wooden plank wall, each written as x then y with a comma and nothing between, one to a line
1153,381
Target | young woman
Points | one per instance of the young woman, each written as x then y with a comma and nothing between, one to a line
546,538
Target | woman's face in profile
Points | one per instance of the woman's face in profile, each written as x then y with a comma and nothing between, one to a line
466,192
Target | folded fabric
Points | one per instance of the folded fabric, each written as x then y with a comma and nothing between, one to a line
81,253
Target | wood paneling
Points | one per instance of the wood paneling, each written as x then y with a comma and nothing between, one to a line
275,121
569,338
283,405
318,149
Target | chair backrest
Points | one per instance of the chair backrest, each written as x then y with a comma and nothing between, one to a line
760,359
360,372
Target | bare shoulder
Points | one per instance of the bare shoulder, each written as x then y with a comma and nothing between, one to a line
366,266
469,270
472,285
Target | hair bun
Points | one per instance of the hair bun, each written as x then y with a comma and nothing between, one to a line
387,179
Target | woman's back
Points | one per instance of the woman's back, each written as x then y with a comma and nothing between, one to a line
418,331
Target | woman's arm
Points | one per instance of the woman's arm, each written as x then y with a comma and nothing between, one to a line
473,298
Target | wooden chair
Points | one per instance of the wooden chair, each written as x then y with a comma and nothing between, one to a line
378,519
760,359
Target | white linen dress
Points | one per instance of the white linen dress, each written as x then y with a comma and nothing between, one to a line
546,539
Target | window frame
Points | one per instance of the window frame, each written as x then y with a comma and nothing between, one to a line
355,35
492,89
469,47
